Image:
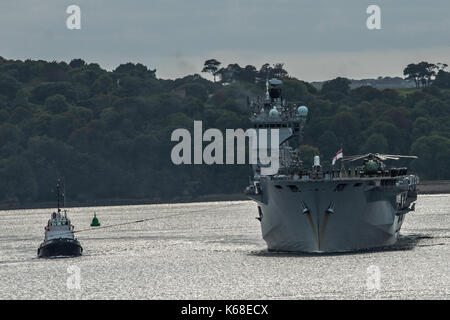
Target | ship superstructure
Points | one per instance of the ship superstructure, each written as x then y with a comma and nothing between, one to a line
312,210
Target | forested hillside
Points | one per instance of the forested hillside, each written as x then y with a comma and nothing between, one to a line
108,132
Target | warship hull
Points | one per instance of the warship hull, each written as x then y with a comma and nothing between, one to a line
333,216
60,247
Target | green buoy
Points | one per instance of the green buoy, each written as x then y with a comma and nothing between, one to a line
95,222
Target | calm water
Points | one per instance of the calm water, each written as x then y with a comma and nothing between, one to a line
215,251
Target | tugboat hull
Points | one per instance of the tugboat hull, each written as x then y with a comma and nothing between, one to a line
60,247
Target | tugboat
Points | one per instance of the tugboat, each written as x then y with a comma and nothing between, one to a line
59,239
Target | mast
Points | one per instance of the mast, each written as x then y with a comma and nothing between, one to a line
57,194
64,193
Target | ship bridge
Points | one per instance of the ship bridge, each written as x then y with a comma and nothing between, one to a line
275,113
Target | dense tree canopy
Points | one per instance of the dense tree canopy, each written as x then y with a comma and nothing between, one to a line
108,132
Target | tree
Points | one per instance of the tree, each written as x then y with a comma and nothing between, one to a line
135,70
248,74
265,72
423,72
19,114
376,143
17,181
412,73
56,104
366,93
211,66
103,84
346,123
278,71
328,144
55,71
77,63
427,71
442,80
421,127
441,66
130,86
295,90
434,157
40,93
230,74
268,72
339,84
9,86
22,97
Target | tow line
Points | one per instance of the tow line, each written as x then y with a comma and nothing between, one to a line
149,219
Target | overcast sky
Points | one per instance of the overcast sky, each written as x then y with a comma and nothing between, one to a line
316,39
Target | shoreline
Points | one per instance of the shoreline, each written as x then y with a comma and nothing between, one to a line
124,202
434,187
426,187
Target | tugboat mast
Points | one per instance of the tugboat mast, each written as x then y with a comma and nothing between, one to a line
57,194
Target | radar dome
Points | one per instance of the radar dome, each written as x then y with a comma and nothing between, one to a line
273,113
302,111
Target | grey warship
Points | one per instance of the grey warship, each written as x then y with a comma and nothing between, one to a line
313,210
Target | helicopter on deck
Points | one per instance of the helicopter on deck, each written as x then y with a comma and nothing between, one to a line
373,163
